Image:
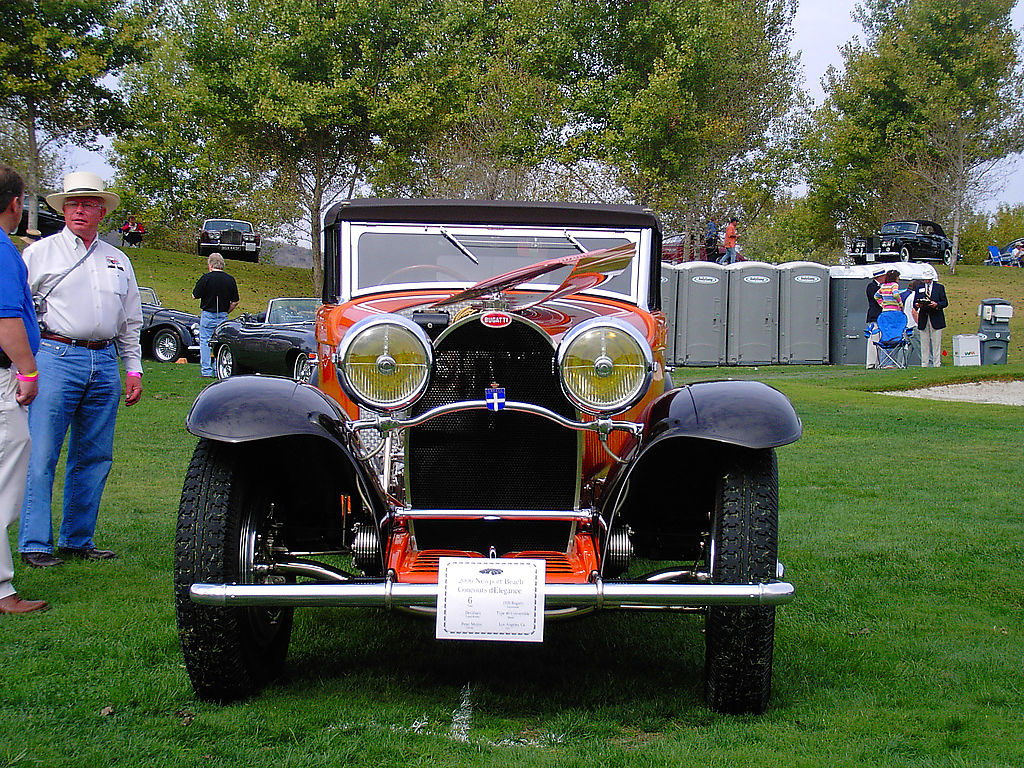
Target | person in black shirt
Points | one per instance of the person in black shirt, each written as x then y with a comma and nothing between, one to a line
218,295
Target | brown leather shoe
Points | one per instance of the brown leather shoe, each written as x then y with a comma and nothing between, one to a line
16,606
40,559
87,554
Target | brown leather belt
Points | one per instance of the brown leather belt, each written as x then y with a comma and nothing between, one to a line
87,343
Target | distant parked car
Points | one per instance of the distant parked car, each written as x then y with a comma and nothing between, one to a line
167,334
279,341
231,238
916,240
50,221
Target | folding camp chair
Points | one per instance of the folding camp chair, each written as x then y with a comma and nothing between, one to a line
894,340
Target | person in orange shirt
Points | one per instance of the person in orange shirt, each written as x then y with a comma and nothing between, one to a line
730,243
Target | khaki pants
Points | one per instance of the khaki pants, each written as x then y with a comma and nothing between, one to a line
14,451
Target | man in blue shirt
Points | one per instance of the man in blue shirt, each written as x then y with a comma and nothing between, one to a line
19,341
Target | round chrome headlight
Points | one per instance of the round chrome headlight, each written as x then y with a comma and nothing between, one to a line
605,365
384,362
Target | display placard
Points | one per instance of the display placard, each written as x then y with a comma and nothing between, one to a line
490,599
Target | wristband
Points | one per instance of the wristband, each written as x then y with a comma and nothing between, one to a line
34,376
136,374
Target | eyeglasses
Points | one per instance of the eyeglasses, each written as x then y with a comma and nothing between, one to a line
86,204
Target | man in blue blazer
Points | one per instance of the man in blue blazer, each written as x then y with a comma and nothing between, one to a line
930,300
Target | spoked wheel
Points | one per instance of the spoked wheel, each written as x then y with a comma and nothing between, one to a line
225,363
226,531
743,549
302,369
166,346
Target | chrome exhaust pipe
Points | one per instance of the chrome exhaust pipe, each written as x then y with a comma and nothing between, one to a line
389,594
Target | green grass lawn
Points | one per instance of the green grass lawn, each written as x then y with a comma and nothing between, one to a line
901,528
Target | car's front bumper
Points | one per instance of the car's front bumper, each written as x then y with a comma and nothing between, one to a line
593,595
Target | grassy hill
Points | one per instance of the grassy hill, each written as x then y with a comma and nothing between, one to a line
173,275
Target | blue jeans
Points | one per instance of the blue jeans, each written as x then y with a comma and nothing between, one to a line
729,257
78,389
208,322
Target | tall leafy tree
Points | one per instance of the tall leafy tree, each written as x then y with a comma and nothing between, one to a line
317,89
174,173
680,95
58,62
924,111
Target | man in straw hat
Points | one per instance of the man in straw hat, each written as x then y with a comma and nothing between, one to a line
89,313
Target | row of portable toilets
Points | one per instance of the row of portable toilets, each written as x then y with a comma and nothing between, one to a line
754,313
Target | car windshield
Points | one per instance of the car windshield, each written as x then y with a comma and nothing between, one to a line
220,225
292,310
402,255
899,228
148,296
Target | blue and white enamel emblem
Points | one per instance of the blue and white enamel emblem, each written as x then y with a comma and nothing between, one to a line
495,398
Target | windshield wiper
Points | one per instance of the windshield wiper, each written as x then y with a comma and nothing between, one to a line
455,241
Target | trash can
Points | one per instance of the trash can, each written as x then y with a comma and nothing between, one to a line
994,330
967,349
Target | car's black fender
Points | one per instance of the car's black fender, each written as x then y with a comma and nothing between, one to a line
744,413
245,409
665,487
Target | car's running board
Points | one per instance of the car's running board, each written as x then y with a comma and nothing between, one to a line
599,594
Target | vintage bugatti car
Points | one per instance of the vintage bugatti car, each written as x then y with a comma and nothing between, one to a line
492,397
167,334
231,238
903,241
279,341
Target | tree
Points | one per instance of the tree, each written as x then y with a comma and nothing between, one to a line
315,89
57,60
681,96
172,174
922,114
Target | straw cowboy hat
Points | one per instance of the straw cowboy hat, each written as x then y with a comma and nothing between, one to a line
83,184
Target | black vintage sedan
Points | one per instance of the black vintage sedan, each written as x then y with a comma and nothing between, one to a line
916,240
167,334
279,341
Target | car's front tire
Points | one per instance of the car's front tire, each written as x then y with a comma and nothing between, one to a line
224,535
947,257
224,363
739,641
166,345
904,254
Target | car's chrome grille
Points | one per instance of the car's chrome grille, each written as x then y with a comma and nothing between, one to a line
231,237
484,460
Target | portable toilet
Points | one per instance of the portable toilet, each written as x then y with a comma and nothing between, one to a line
752,327
803,313
669,291
702,294
848,307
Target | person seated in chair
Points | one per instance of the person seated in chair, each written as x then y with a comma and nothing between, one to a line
132,232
